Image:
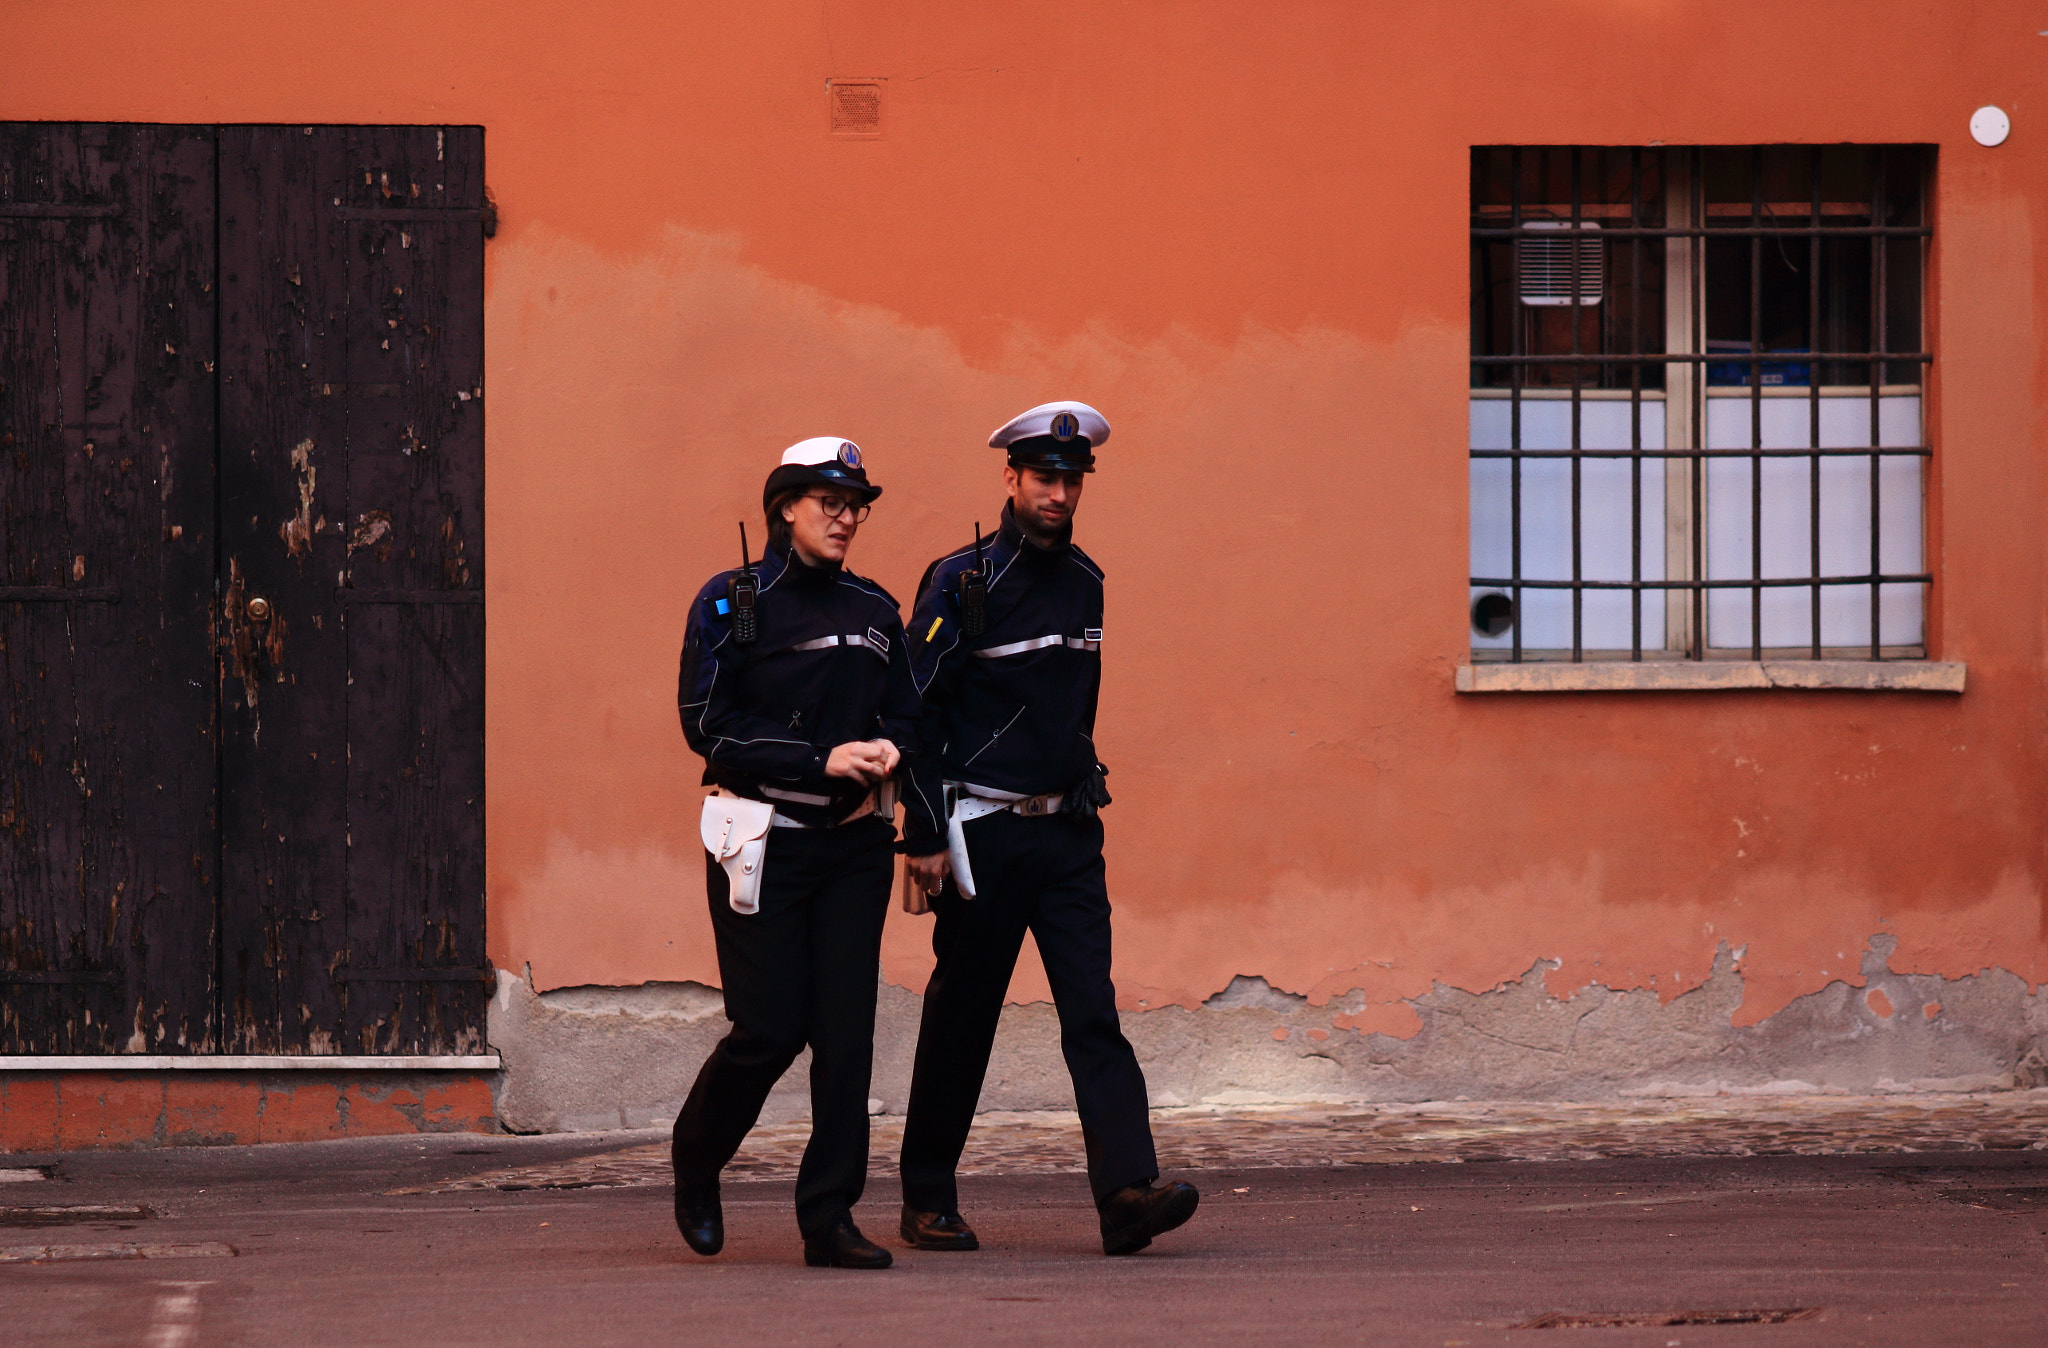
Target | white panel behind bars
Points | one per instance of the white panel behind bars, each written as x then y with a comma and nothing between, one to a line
1787,521
1605,495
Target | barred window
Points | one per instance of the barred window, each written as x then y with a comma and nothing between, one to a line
1696,402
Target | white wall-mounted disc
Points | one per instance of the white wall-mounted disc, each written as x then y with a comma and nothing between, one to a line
1990,126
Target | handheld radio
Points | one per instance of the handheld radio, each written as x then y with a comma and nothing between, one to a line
974,592
743,590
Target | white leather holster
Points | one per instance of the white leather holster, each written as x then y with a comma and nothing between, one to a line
735,831
962,807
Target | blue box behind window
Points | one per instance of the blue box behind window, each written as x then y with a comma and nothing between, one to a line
1776,373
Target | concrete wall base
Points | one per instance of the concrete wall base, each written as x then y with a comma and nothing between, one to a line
579,1059
68,1111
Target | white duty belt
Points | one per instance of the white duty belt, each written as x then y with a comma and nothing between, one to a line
965,802
881,800
735,831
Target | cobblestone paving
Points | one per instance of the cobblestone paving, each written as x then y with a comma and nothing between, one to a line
1260,1136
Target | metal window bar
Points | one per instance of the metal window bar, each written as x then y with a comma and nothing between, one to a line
1756,404
1578,442
1875,360
1635,409
1696,340
1515,405
1813,397
1877,340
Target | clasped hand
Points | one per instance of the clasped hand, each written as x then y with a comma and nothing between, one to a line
865,761
868,762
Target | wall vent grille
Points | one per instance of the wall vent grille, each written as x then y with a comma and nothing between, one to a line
1545,262
856,107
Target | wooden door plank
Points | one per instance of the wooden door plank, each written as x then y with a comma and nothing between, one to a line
283,540
106,332
415,489
142,485
41,811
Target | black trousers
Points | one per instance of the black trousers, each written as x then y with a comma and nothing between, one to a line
1044,874
800,971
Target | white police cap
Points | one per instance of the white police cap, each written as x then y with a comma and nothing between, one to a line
827,459
1061,436
823,449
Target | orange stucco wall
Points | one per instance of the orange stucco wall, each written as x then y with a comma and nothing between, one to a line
1239,229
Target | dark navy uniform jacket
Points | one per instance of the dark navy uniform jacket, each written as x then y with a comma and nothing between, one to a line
830,666
1014,708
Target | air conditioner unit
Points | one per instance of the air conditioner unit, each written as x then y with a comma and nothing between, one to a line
1555,254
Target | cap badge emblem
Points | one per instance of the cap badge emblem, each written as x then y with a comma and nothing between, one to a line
849,453
1065,426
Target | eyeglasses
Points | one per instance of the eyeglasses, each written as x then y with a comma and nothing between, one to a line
836,507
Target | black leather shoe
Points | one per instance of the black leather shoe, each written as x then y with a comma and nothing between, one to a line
841,1245
701,1219
937,1231
1133,1215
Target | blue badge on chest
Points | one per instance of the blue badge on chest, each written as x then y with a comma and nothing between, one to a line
721,607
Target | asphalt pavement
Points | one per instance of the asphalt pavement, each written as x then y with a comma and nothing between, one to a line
508,1241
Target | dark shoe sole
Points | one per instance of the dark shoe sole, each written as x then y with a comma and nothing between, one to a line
707,1248
1164,1218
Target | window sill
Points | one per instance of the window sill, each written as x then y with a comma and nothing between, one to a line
1620,676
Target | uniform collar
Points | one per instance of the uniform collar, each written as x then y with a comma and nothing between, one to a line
1011,534
781,562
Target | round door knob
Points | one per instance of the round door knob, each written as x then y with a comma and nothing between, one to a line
259,608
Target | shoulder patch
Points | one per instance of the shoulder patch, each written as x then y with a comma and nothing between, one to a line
934,629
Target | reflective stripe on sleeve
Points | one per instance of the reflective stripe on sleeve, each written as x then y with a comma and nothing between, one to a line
879,647
1040,643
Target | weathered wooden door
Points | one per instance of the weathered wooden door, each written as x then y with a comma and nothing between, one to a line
243,616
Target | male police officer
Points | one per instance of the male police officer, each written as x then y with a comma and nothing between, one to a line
1002,835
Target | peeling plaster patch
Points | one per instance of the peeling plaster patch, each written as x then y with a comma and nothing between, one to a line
591,1057
687,1001
588,1059
1398,1021
1246,990
1879,1003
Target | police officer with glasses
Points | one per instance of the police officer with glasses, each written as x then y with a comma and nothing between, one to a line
1002,836
796,690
